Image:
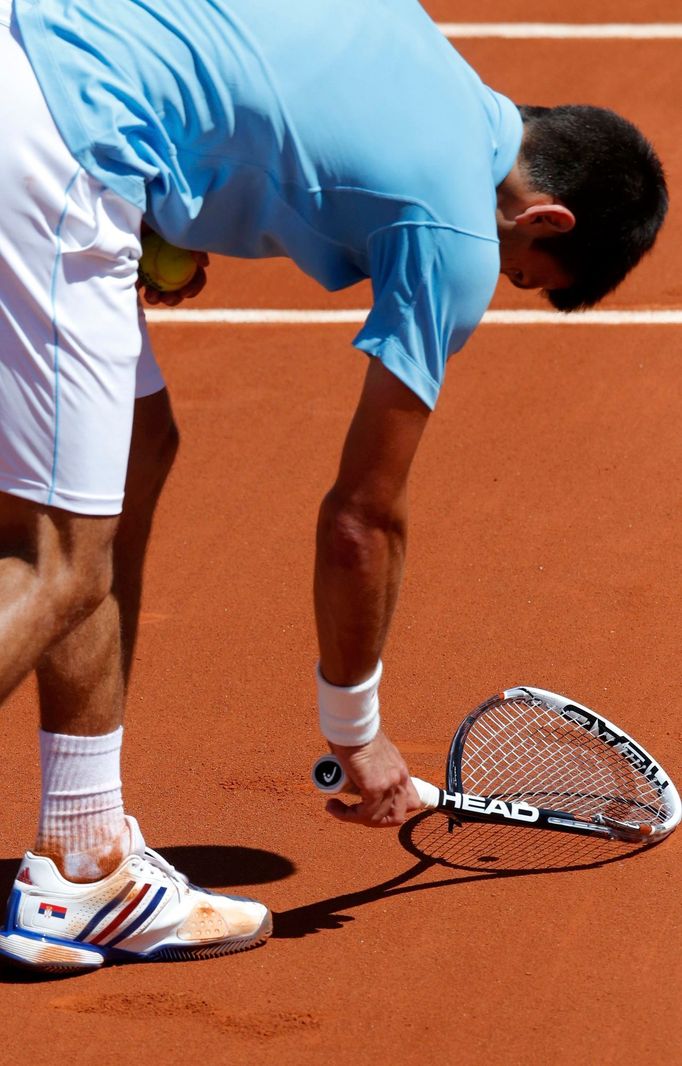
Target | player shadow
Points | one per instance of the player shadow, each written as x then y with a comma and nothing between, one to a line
219,866
473,852
212,866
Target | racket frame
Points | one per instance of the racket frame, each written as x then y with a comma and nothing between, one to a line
560,821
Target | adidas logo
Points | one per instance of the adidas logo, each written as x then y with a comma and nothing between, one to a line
25,876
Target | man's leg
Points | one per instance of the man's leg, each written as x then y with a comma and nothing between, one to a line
152,452
140,908
82,678
55,580
76,695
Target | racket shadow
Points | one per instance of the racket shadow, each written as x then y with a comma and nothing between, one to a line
505,851
474,853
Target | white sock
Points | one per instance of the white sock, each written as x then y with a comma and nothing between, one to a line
82,826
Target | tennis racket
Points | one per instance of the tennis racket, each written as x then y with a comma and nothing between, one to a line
531,758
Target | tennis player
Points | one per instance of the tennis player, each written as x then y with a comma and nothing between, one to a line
353,139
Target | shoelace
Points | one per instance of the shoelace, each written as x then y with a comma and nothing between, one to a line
179,881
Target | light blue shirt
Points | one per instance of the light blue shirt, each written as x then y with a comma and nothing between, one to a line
347,135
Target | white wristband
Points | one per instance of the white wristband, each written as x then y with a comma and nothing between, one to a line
349,716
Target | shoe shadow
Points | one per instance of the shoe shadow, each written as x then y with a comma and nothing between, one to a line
211,866
217,866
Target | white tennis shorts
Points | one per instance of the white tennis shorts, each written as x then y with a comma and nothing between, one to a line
74,350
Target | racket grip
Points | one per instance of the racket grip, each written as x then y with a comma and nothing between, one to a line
329,776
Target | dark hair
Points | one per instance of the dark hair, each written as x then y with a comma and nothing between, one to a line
603,169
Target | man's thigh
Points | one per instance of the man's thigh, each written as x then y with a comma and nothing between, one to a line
70,335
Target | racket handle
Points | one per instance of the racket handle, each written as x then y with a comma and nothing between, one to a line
329,776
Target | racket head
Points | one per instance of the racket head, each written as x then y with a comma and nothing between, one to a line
534,745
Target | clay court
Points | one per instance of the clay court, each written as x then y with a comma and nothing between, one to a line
544,549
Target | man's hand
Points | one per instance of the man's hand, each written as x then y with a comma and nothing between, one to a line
193,287
378,771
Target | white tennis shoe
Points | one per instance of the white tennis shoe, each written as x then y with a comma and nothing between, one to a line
146,911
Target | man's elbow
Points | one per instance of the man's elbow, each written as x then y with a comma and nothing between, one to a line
351,532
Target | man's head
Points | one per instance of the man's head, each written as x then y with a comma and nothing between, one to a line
582,206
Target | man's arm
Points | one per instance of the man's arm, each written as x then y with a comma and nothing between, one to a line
361,541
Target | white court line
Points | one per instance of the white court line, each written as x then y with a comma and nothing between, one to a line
647,31
284,317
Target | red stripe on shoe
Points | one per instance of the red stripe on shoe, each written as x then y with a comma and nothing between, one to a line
121,916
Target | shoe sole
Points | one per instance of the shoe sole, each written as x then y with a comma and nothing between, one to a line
42,955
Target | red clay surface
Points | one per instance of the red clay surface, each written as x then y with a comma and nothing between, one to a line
553,11
544,549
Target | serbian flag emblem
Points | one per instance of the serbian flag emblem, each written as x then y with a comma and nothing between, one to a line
52,910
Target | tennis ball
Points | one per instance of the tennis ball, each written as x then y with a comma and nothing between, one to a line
163,266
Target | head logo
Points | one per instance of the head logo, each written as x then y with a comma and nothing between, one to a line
491,807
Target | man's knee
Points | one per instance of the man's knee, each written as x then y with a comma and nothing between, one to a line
61,560
78,574
83,584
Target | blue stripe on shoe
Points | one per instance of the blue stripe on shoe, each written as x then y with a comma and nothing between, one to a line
102,913
149,909
12,908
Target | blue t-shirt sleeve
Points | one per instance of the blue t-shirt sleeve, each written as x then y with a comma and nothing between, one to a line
431,287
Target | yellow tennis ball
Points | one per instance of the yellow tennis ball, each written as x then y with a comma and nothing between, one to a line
163,266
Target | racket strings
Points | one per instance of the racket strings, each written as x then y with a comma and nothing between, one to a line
513,756
524,749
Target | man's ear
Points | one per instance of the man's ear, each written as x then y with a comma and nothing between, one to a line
547,220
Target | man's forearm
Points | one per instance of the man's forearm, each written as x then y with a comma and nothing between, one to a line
358,570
